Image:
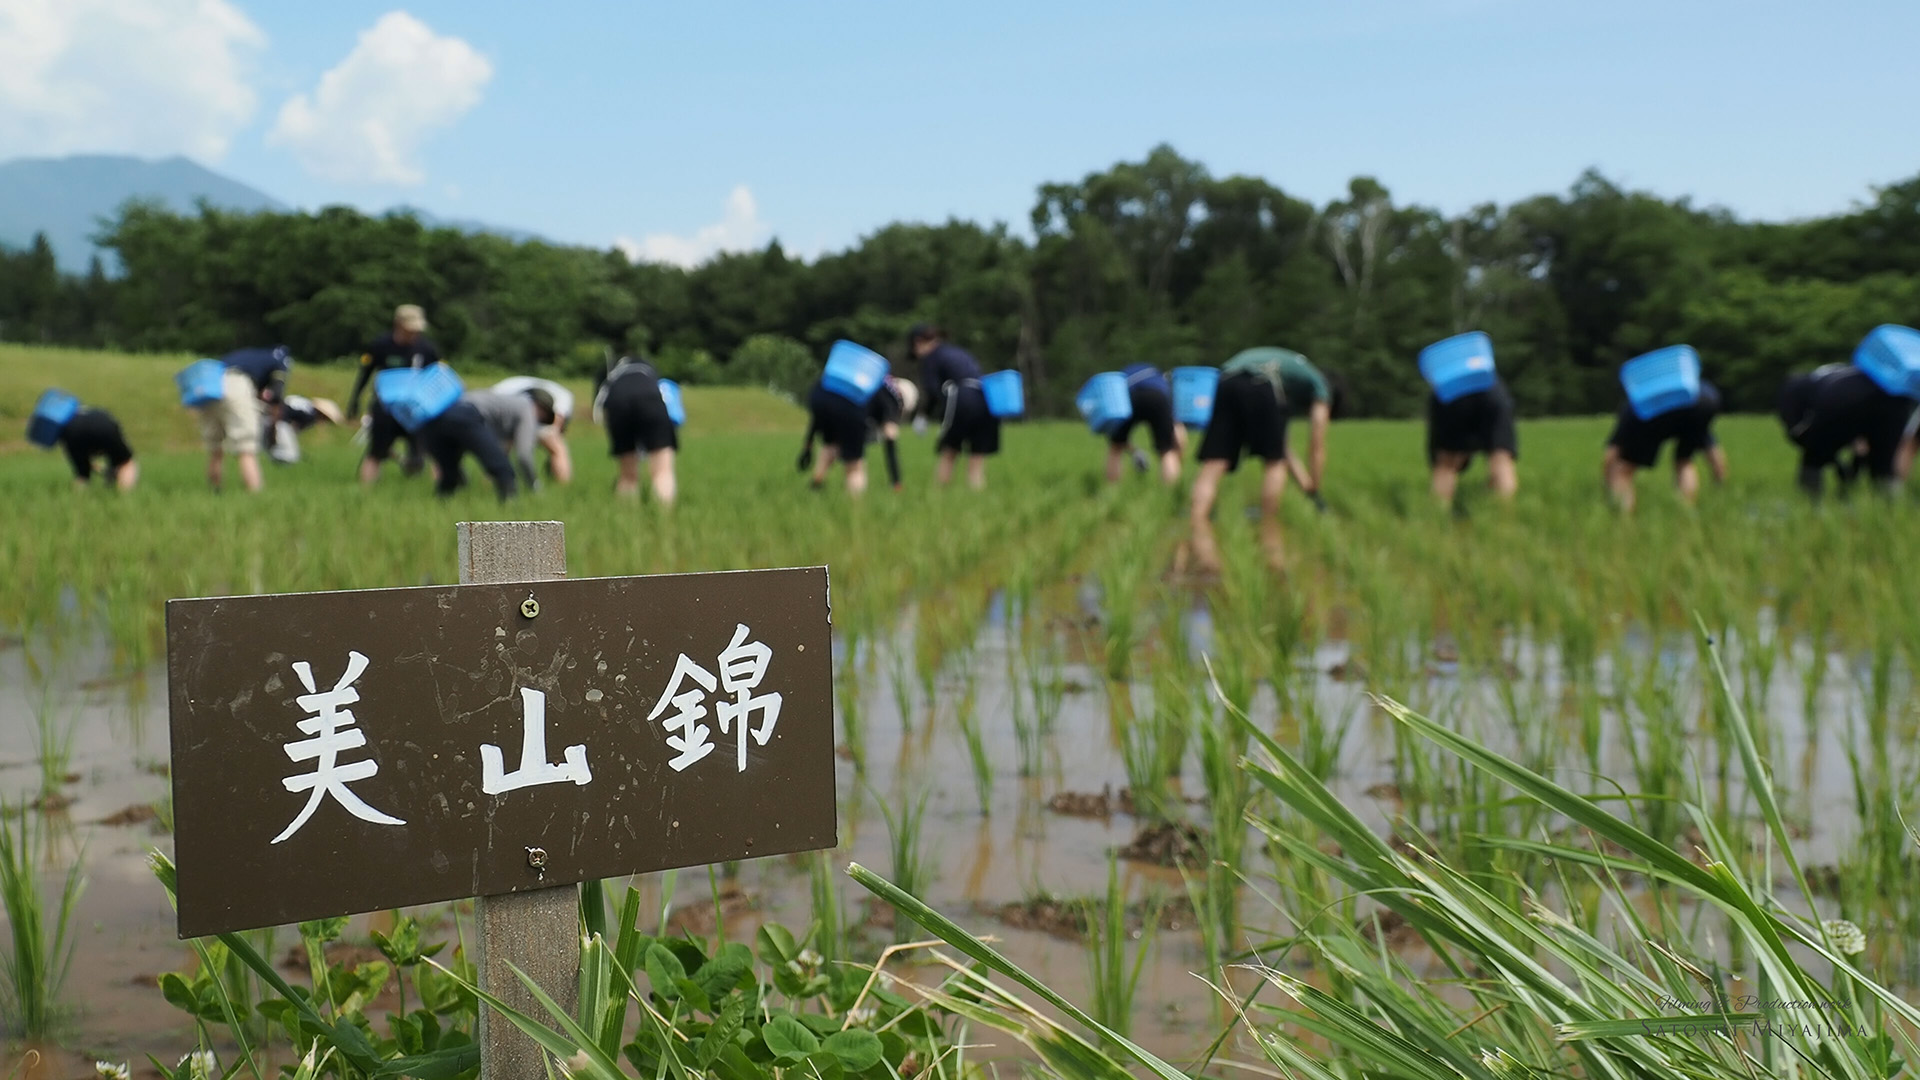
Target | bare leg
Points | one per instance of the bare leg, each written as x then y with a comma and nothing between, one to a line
1717,461
660,472
1206,490
628,482
977,472
1446,476
1686,476
1273,484
250,471
1116,459
828,455
1170,463
856,477
943,469
1618,477
128,476
369,471
1503,474
216,468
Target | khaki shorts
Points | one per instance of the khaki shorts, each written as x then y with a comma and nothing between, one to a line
232,424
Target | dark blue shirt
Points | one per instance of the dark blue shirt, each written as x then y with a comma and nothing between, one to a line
1146,377
946,363
267,367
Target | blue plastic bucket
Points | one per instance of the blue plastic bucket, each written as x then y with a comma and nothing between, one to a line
1193,390
853,371
670,395
1104,402
1662,380
1890,355
1458,366
202,382
416,396
50,415
1006,394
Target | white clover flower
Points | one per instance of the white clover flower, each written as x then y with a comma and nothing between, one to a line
861,1016
809,958
794,966
1845,936
107,1070
200,1065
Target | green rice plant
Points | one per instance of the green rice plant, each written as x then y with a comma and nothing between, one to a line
54,728
967,714
1114,974
911,862
853,730
829,920
41,945
900,678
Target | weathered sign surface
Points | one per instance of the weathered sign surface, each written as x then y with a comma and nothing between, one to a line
354,751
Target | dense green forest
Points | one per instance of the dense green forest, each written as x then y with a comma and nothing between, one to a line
1156,260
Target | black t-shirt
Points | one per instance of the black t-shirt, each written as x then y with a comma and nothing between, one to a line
884,407
383,353
946,363
93,434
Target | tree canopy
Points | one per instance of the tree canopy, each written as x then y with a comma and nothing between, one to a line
1155,260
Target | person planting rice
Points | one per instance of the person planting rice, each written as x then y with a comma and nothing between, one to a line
516,421
254,383
94,435
846,427
553,433
950,381
1152,401
1635,444
1476,423
628,402
281,428
1259,389
459,431
406,345
1838,409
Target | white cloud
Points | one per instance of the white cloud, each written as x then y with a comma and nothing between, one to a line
739,229
124,76
366,119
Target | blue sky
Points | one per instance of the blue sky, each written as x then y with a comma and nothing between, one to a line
679,128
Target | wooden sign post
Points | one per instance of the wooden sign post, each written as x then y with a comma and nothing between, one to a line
506,739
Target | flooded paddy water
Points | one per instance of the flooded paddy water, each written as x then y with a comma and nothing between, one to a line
1020,759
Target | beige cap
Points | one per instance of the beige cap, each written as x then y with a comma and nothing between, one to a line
410,317
328,409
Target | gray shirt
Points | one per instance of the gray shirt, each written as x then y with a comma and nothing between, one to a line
513,422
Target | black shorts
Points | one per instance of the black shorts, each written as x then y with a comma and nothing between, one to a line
1479,423
94,434
1639,441
842,423
968,425
384,432
1150,407
637,417
1845,410
1249,416
459,431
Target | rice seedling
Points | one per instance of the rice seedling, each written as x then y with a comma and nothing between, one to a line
41,944
967,715
911,861
1115,958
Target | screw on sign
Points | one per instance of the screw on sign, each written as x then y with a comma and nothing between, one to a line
399,711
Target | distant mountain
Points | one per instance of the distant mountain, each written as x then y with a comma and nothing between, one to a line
66,197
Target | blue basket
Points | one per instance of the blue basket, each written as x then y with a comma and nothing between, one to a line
1458,366
1193,390
670,395
1006,394
853,372
1104,402
416,396
202,382
1662,380
1890,355
50,415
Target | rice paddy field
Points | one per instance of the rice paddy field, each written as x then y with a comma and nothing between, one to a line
1400,792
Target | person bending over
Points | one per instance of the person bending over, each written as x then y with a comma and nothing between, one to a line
950,381
629,403
1152,401
1635,444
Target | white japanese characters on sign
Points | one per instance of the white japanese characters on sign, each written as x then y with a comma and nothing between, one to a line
743,664
534,766
333,731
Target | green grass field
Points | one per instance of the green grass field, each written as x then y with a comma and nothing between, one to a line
1554,630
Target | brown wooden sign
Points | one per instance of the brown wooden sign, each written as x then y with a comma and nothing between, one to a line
354,751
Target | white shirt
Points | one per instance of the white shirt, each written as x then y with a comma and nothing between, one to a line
520,384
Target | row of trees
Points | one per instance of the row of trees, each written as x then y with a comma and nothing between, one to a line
1155,260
